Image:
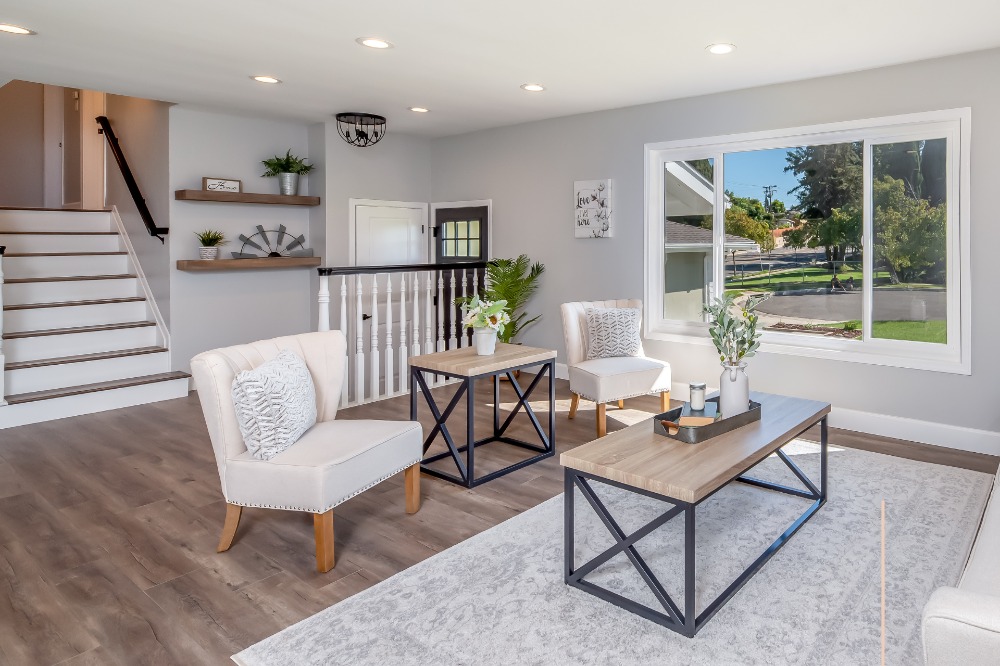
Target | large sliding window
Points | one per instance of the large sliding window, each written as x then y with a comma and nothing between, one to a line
858,232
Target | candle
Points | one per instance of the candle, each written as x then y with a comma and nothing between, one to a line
697,396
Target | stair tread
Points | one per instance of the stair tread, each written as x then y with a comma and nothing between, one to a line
70,278
83,358
57,233
63,254
58,210
76,329
69,304
93,388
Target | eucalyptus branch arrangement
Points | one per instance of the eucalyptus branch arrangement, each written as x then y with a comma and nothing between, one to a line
486,314
287,164
734,328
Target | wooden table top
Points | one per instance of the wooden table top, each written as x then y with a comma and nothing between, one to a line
636,456
465,362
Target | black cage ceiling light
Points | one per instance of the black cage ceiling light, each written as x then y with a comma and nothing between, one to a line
361,129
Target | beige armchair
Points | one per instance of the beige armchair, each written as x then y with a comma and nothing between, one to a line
332,462
605,380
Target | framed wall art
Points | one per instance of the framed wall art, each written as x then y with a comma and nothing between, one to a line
594,218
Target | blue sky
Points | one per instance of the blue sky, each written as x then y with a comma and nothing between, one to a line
747,173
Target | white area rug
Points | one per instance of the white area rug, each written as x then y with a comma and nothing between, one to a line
499,597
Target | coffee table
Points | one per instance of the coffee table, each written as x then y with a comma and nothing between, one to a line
685,475
467,366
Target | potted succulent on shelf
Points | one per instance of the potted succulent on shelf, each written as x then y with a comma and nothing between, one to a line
287,169
210,241
487,319
735,335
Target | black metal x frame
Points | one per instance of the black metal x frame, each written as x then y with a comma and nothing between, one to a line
687,622
466,387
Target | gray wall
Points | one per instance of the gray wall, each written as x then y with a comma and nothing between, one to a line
215,309
528,171
143,130
21,145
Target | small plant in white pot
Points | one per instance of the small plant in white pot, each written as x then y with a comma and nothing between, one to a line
734,332
210,241
287,169
486,319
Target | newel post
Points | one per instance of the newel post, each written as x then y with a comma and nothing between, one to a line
3,361
324,303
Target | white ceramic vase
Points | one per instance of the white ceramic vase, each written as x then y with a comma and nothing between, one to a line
734,390
209,252
486,341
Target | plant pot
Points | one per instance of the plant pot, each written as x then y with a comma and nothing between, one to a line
734,390
288,183
486,341
211,252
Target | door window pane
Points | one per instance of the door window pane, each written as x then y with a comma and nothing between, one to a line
462,248
793,230
909,223
449,248
449,229
473,248
689,203
462,229
474,229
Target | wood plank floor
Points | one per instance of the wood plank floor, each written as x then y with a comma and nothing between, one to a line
109,522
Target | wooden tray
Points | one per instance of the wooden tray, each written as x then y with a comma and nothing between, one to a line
695,434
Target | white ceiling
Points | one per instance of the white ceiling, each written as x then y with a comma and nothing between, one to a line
465,59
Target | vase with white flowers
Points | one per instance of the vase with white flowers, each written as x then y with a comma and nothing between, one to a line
734,332
486,319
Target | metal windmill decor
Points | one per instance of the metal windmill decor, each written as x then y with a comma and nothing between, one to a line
272,243
361,129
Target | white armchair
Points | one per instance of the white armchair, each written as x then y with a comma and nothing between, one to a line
605,380
332,462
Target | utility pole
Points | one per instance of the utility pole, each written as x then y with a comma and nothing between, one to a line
769,191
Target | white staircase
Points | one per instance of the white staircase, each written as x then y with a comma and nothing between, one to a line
80,334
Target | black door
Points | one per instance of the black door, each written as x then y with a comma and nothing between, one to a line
460,236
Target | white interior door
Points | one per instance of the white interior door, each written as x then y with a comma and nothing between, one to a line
385,234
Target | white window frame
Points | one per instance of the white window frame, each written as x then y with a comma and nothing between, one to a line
953,124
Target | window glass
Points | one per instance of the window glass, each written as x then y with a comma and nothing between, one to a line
449,229
462,248
473,248
688,204
462,229
474,229
449,248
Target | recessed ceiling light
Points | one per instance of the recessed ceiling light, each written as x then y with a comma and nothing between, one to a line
418,109
533,87
721,49
16,29
265,79
374,43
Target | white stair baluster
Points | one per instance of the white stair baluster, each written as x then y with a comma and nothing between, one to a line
343,329
455,323
3,360
463,339
390,368
440,311
429,313
359,345
415,342
404,374
376,359
324,303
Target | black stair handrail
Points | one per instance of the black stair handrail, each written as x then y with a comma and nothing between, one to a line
327,271
133,187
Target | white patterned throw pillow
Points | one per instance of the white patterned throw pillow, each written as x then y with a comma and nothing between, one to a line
275,404
613,332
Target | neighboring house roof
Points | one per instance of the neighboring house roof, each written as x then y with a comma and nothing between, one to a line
687,236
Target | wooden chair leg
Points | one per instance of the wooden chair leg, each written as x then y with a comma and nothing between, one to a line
411,479
664,401
621,404
574,404
323,527
602,420
233,513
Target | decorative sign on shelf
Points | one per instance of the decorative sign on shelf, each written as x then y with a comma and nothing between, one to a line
272,243
593,208
221,184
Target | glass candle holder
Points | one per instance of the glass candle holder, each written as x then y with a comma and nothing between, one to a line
697,398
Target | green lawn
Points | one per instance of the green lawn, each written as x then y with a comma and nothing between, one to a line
935,330
788,280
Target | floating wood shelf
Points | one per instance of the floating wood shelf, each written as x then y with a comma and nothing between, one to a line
246,264
245,197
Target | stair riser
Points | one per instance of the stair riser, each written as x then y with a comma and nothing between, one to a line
49,346
36,220
32,267
32,243
40,319
89,403
55,292
65,375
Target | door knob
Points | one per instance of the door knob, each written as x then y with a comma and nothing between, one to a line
365,317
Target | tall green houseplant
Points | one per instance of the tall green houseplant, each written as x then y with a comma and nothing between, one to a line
514,281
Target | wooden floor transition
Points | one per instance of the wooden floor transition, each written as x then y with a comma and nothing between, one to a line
109,522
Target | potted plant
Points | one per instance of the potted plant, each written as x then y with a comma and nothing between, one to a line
734,332
211,241
487,319
287,169
514,281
